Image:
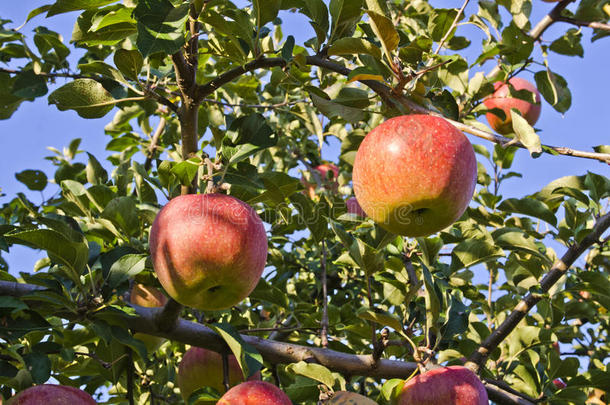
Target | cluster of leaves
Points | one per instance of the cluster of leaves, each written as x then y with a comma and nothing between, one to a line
95,227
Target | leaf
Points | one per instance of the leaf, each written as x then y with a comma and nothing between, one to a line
160,26
265,10
96,174
65,6
554,89
529,206
352,46
474,251
525,133
39,366
86,96
33,179
288,48
126,267
349,398
317,11
516,45
38,11
29,85
247,356
123,213
314,371
385,31
345,15
251,134
569,43
333,110
364,73
129,62
383,319
440,22
432,298
187,170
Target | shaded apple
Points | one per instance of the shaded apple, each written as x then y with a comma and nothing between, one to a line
255,393
502,100
208,251
47,394
148,297
559,384
325,179
453,385
415,174
353,207
203,368
349,398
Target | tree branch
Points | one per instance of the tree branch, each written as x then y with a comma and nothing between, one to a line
590,24
455,21
526,304
152,148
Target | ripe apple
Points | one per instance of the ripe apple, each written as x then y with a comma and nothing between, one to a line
323,169
255,393
415,174
453,385
203,368
148,297
353,207
48,394
559,384
501,99
208,251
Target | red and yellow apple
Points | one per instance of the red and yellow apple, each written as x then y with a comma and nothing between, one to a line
454,385
47,394
208,251
415,174
255,393
501,99
325,180
148,297
203,368
353,207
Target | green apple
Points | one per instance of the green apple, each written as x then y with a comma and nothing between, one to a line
208,251
414,174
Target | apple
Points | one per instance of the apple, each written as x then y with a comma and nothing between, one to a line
353,207
349,398
209,250
501,99
414,174
148,297
203,368
559,384
453,385
48,394
323,169
255,393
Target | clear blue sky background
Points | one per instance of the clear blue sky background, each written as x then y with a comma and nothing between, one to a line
24,137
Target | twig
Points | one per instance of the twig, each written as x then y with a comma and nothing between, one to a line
455,21
152,148
130,371
590,24
263,106
560,267
226,382
324,321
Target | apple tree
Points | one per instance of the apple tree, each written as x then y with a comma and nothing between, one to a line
210,97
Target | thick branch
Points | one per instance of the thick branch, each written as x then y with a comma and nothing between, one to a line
526,304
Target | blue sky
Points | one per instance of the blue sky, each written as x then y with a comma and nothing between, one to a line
24,137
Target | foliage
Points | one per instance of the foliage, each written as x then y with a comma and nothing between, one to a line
253,132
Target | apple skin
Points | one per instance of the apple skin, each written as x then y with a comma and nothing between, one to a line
323,169
353,207
49,394
255,393
453,385
414,174
349,398
148,297
501,99
208,251
559,384
203,368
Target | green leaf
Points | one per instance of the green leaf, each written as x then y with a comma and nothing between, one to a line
251,134
353,46
39,366
29,85
432,298
516,45
529,206
474,251
160,26
102,69
554,89
314,371
440,22
96,174
385,31
86,96
569,43
333,110
247,356
383,319
525,133
288,48
8,101
38,11
317,11
265,10
126,267
187,170
122,212
345,15
65,6
33,179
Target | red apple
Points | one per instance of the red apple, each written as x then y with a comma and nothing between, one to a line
415,174
255,393
501,99
353,207
322,171
148,297
203,368
208,251
48,394
559,384
454,385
